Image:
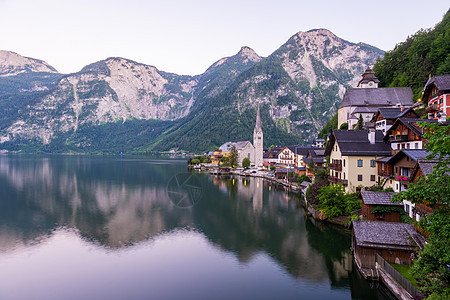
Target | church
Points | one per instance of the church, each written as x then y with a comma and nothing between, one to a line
246,149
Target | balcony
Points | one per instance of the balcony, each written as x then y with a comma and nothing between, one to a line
399,138
336,167
385,173
433,108
333,179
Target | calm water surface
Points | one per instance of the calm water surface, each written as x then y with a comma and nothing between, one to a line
105,228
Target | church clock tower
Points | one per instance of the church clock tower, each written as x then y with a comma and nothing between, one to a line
258,141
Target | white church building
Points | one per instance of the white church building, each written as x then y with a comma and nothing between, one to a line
246,149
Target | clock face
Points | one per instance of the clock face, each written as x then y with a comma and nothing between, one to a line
370,83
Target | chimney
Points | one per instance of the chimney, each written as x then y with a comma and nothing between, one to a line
371,135
442,117
402,108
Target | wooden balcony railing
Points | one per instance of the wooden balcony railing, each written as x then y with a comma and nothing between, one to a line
336,167
399,138
433,108
333,179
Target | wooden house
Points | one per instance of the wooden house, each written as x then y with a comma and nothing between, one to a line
386,116
377,206
436,94
394,242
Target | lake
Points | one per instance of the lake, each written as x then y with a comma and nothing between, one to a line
77,227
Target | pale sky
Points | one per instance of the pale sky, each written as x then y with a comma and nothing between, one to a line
187,36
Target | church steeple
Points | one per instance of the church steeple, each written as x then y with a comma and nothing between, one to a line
258,127
258,140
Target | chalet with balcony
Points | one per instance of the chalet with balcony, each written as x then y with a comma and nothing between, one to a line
386,116
436,94
377,206
401,166
352,157
287,156
406,133
316,159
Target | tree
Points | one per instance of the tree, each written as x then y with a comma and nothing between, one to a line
333,201
433,261
344,126
360,124
246,162
302,178
233,158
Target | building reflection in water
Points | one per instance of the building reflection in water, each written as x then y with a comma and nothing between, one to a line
120,203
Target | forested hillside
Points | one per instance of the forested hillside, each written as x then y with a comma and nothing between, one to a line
411,62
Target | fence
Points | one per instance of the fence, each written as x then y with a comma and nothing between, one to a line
408,286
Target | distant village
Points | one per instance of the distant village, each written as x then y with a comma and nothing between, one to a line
378,150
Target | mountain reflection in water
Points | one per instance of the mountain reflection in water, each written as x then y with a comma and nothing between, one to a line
103,210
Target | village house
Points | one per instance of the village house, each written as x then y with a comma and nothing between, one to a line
318,143
386,116
406,133
315,159
271,156
377,206
422,168
394,242
368,97
437,94
301,153
352,157
287,156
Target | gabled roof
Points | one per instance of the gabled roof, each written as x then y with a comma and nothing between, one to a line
369,75
241,145
377,97
411,124
442,82
414,154
302,150
356,143
386,235
392,113
378,198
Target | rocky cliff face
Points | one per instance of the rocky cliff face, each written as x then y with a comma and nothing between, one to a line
12,64
299,88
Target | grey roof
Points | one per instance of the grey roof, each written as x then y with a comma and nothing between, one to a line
356,142
442,82
391,113
427,165
386,235
301,150
365,109
320,152
414,154
241,144
411,124
378,198
377,97
384,159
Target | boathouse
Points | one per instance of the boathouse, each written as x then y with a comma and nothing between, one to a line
394,242
377,206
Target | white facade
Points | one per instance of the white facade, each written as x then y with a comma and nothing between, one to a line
407,145
258,139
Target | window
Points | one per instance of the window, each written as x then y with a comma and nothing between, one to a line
416,145
398,146
403,146
344,175
360,163
372,177
360,178
440,101
344,162
372,163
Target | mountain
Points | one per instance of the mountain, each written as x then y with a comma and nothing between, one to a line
299,88
120,105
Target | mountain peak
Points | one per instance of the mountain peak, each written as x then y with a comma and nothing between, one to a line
12,64
249,53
